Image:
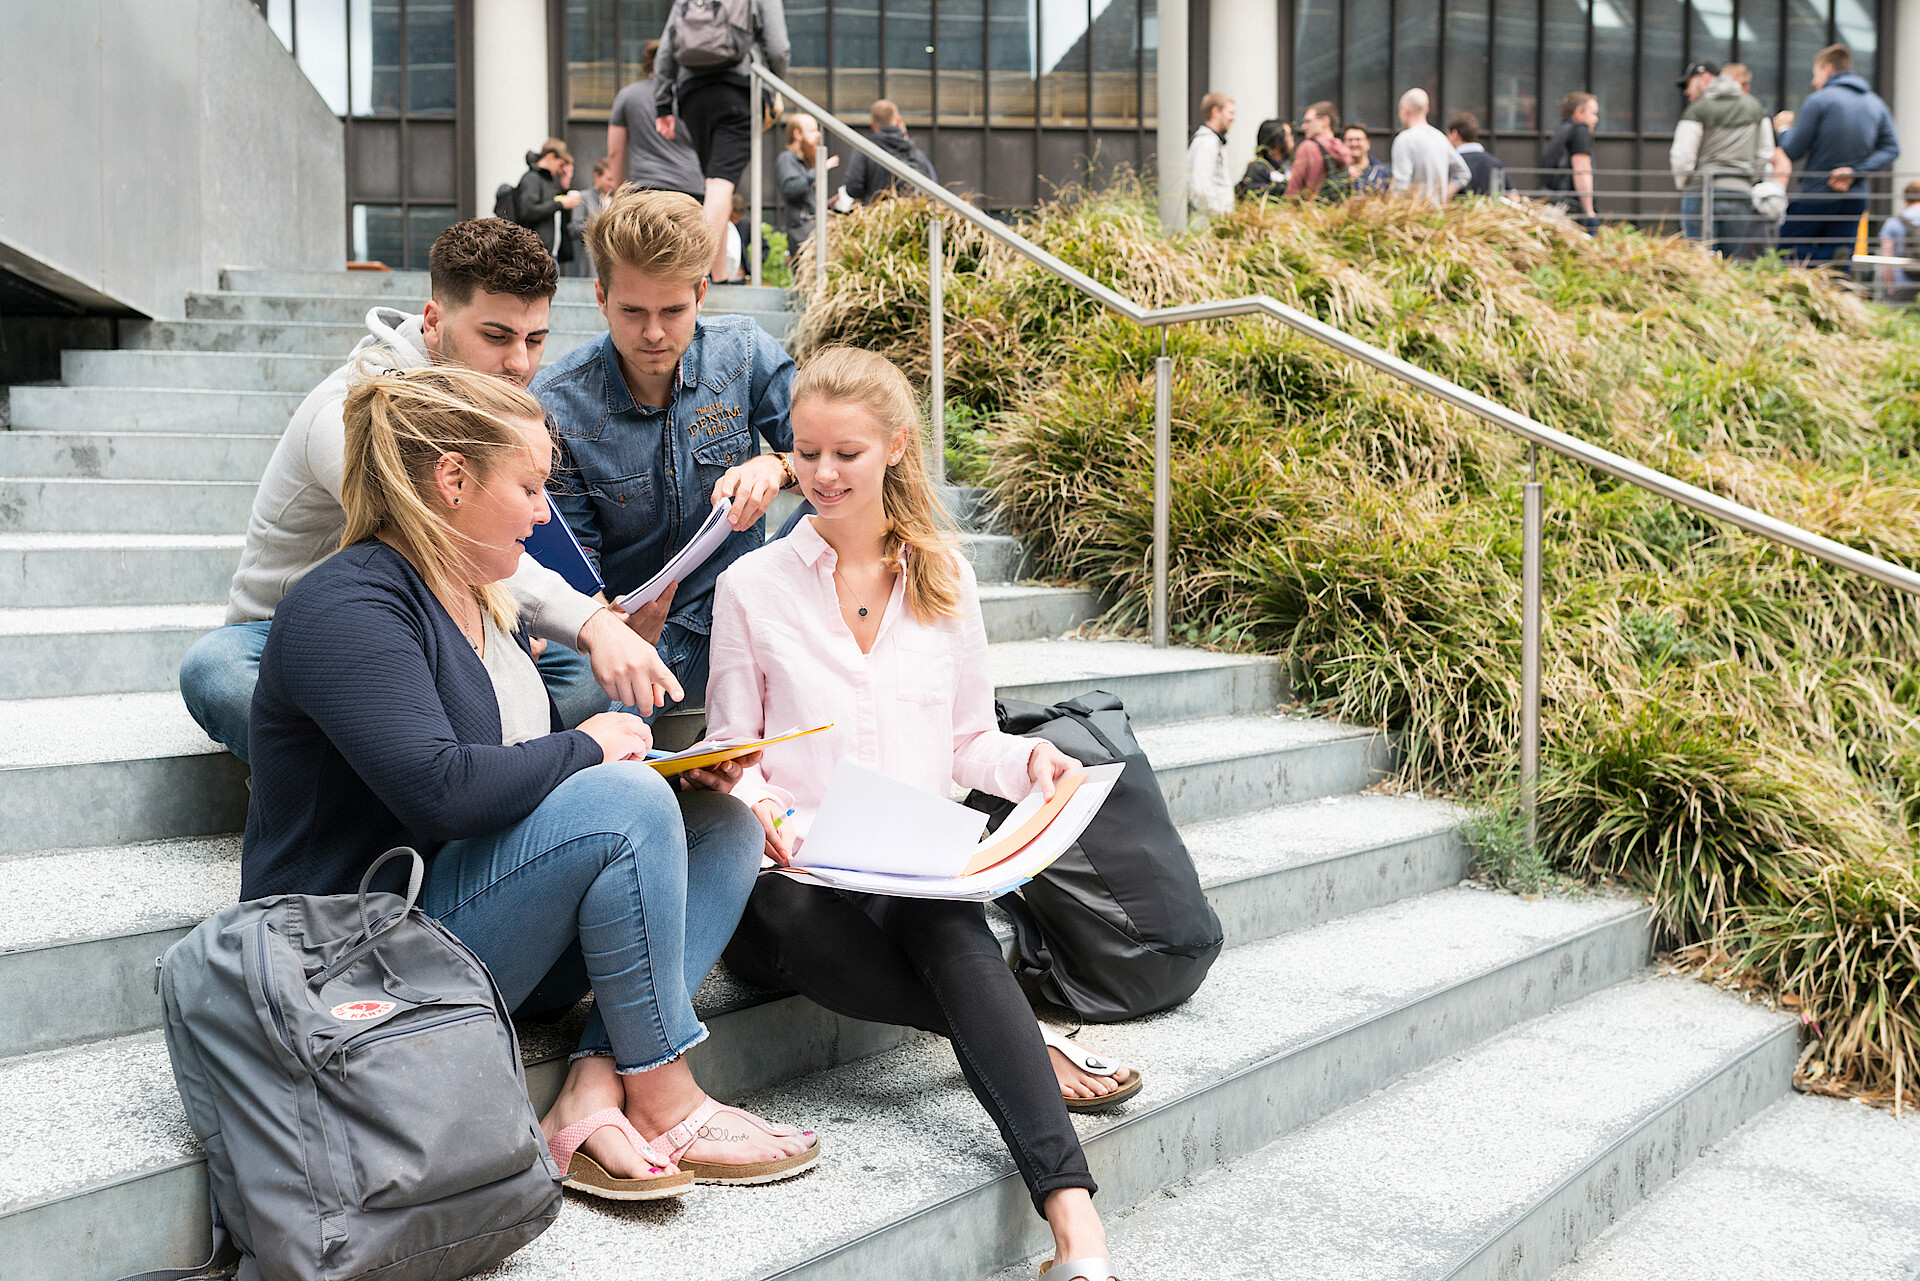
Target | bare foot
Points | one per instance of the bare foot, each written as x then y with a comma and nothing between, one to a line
729,1138
592,1085
1075,1084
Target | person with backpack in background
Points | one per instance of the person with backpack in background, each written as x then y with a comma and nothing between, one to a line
1568,158
703,69
1723,140
1463,131
1843,132
1365,175
866,180
1320,161
1900,238
638,152
1266,173
541,201
398,706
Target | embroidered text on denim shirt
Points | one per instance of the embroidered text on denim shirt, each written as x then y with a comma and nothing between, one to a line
717,420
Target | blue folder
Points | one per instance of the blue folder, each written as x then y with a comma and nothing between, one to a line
554,546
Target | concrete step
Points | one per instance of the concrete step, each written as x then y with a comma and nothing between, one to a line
571,317
77,945
1013,612
1368,999
44,570
104,769
199,370
1497,1163
1812,1189
39,505
99,769
300,338
1157,685
997,558
135,455
167,567
173,409
98,649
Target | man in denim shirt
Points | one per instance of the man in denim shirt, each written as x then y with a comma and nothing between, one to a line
656,421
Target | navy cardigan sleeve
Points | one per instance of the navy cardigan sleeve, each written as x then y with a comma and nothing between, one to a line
374,724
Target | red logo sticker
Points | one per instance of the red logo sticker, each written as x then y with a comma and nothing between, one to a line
360,1011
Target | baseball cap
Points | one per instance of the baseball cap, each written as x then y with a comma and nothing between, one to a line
1694,69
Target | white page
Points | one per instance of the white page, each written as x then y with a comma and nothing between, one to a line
1041,852
871,823
704,543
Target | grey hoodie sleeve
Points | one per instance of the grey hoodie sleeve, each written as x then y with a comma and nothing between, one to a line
773,35
666,71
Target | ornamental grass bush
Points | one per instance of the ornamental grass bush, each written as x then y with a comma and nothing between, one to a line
1730,727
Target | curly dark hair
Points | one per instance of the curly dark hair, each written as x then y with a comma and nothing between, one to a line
492,255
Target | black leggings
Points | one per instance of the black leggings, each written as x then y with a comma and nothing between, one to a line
930,964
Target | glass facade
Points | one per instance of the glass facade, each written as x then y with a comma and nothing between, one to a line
1511,61
391,70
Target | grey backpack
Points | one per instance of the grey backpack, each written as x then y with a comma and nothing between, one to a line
711,33
351,1070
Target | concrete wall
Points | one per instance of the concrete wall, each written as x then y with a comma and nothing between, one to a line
150,143
1905,95
510,94
1245,66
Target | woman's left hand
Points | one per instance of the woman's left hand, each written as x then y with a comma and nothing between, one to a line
1048,765
720,777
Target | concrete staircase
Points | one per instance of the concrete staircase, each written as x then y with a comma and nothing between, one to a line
1358,962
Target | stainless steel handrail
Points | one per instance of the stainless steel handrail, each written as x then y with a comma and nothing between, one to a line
1534,432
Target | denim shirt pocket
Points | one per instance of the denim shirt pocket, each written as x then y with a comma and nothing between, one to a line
625,507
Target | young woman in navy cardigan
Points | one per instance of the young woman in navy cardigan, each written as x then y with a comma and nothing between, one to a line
399,705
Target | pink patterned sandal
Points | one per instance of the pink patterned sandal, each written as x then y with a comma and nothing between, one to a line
584,1174
676,1141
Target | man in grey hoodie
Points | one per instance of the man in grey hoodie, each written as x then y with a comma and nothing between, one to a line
1724,133
493,283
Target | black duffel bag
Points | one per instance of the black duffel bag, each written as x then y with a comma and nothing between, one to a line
1118,927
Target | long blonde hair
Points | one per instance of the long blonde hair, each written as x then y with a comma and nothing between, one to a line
399,423
919,543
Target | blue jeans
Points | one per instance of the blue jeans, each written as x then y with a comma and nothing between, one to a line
1822,226
1690,215
617,881
219,672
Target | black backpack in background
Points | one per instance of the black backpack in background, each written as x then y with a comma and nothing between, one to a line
503,202
1118,927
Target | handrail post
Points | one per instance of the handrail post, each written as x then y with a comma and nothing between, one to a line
1162,491
937,348
754,183
1531,535
820,212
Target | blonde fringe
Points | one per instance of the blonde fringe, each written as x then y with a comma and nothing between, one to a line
919,542
398,425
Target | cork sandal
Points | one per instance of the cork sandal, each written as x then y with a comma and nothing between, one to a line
1092,1065
681,1137
584,1174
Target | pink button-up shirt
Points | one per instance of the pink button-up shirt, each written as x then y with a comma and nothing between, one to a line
918,708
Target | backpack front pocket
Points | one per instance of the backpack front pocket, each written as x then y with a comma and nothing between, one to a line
431,1107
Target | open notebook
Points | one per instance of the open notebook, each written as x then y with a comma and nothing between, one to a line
881,836
714,750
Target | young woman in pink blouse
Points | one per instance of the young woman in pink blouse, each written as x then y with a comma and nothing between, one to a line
867,616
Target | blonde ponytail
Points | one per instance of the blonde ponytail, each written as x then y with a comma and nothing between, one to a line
919,542
398,424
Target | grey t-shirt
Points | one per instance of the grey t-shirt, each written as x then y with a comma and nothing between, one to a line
652,161
517,686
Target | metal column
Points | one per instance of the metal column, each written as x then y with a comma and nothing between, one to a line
754,205
937,348
820,212
1531,518
1162,492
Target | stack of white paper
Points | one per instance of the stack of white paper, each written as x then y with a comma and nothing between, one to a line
704,543
881,836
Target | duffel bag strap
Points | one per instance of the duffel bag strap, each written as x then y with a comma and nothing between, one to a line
1082,710
371,935
183,1274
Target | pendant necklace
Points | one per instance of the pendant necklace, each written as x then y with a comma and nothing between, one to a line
849,586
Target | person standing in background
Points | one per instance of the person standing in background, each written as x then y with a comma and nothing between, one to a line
1209,185
1463,131
703,67
1843,132
1693,82
866,180
793,172
1724,134
1365,175
542,201
1568,158
1425,165
1900,238
1266,173
592,200
1320,154
638,152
